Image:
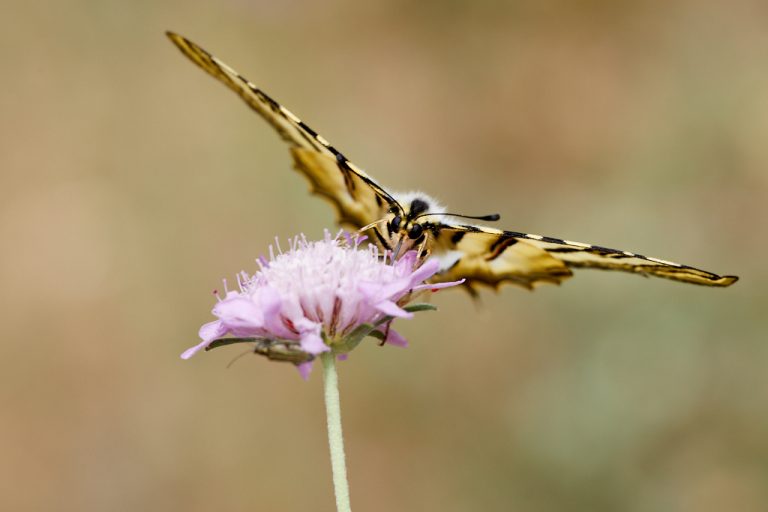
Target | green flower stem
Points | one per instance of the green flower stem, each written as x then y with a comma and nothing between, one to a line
335,437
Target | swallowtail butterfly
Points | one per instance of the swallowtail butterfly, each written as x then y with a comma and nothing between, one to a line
399,222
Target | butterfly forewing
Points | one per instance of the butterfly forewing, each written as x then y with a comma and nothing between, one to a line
491,256
279,118
358,199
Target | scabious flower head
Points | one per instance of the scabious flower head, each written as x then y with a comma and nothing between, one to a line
321,296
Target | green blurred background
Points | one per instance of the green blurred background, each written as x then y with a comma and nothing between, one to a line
132,183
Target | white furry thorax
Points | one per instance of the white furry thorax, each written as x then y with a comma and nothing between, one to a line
405,199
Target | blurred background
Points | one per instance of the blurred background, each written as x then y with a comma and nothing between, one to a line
132,183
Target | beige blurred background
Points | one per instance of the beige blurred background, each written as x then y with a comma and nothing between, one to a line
132,183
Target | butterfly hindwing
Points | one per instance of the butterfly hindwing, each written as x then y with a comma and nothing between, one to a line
491,256
483,256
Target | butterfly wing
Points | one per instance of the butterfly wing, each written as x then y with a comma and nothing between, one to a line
492,257
480,255
357,202
483,256
358,199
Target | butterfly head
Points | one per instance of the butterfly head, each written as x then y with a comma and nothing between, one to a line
407,222
414,218
404,221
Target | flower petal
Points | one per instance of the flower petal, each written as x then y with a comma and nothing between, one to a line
239,313
313,344
270,303
208,333
437,286
304,369
212,330
193,350
389,308
375,292
393,337
406,262
424,272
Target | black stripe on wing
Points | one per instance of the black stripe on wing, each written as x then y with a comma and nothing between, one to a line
583,255
292,129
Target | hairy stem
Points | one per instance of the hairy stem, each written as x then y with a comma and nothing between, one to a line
335,437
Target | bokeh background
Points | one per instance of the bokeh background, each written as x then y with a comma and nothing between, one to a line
132,183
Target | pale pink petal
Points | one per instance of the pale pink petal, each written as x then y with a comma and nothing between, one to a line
437,286
240,313
389,308
212,330
393,337
424,272
376,291
304,369
406,262
395,289
270,303
313,344
208,333
193,350
304,325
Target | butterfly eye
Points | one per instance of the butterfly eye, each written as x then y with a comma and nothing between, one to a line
396,223
415,232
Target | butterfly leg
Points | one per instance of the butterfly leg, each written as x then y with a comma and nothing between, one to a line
421,251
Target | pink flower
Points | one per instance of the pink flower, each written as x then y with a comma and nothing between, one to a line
320,296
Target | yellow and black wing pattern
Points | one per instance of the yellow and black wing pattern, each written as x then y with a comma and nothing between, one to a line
487,256
357,198
480,255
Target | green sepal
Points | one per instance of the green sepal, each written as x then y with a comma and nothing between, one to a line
378,335
353,339
222,342
420,306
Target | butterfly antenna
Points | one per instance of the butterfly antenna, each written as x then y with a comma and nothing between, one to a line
423,246
487,218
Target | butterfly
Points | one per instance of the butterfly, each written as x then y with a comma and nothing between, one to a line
400,222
